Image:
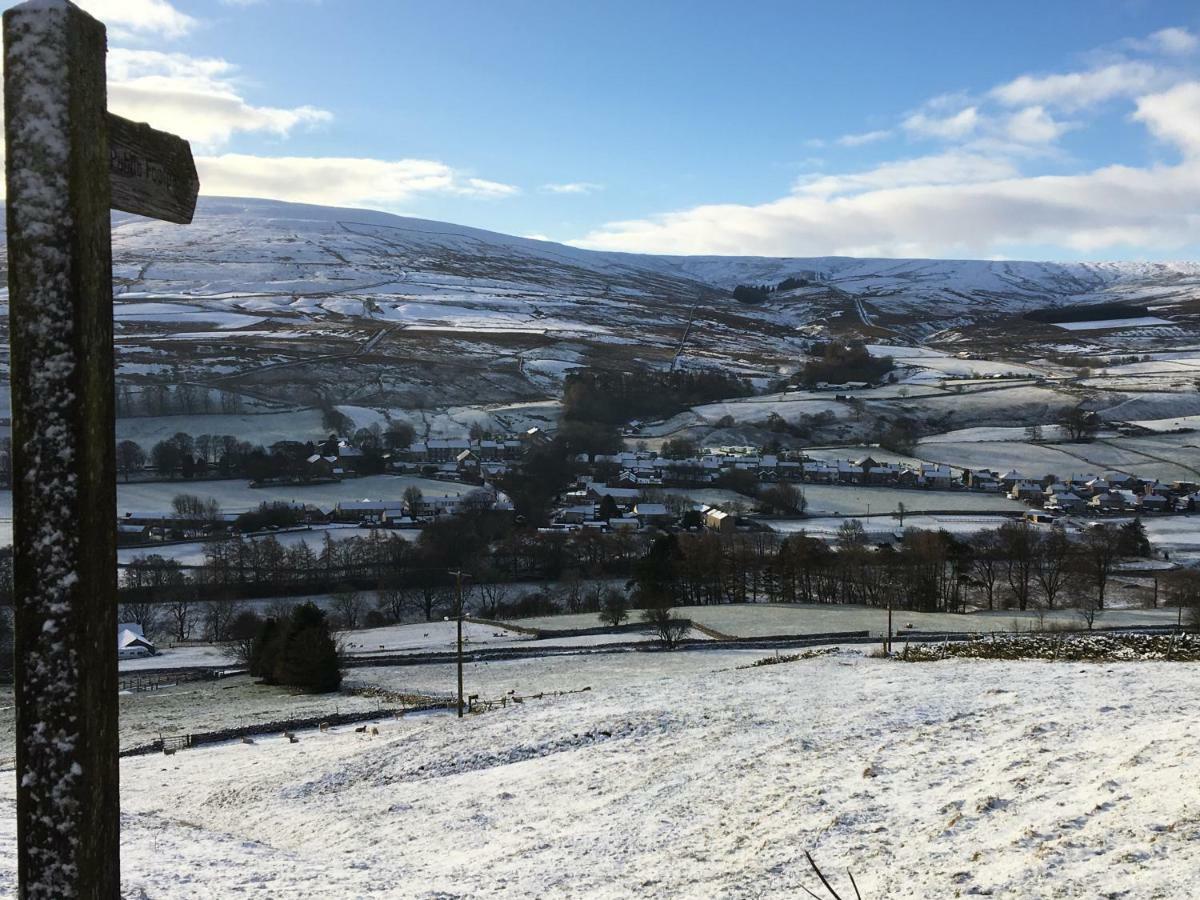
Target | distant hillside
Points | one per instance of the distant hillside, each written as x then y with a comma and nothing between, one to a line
287,305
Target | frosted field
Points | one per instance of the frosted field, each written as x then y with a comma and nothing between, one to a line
860,500
885,528
995,433
1166,457
1103,324
236,496
195,707
927,780
1178,535
768,619
442,636
611,672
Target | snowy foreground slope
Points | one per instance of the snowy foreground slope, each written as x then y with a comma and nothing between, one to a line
929,780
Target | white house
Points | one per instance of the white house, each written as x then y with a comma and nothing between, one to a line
132,643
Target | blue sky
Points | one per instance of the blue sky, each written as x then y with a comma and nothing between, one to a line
1048,130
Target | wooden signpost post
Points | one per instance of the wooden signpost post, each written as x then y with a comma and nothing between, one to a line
68,162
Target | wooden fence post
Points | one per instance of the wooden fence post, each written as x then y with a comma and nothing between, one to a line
64,489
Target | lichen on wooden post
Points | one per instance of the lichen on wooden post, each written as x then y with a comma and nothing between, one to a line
64,492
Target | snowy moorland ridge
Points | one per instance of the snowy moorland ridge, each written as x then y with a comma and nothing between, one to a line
266,246
272,299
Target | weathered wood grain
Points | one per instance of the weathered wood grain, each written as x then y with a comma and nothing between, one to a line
152,173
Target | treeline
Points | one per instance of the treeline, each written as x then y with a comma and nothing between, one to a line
760,293
195,456
483,543
176,400
613,398
411,579
1015,566
835,362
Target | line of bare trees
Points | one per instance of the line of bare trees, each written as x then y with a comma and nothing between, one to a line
1015,566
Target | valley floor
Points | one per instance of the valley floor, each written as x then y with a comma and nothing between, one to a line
962,777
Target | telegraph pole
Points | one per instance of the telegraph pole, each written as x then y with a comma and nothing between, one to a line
458,608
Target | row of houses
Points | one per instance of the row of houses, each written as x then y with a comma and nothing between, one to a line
409,513
1113,492
596,506
1087,494
647,469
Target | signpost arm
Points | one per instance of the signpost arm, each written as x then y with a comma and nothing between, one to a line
64,490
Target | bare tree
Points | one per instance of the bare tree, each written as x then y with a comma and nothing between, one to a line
986,563
348,606
392,602
181,614
141,612
218,618
492,595
1182,589
1089,608
1100,549
1052,563
189,506
1017,542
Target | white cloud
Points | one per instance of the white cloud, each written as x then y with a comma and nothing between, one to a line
1033,125
140,19
1075,90
334,181
973,199
866,137
1087,213
194,97
1176,41
951,127
573,187
480,187
944,168
1174,116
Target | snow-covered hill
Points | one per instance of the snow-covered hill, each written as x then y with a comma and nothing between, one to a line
286,306
300,256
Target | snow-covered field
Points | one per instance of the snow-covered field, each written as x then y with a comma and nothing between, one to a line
767,619
443,636
237,496
829,498
1104,324
957,778
885,528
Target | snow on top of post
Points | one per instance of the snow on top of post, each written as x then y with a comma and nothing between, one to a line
40,5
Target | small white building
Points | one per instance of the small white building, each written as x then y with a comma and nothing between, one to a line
132,643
